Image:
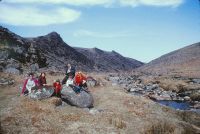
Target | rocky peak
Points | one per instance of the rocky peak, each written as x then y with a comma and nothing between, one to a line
53,34
96,50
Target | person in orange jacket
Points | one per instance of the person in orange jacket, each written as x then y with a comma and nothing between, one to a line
80,80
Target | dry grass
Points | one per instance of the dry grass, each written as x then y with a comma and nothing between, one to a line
120,113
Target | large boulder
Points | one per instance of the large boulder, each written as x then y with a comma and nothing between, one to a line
82,100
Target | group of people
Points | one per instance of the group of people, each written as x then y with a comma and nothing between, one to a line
73,79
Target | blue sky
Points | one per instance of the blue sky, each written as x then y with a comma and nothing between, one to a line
140,29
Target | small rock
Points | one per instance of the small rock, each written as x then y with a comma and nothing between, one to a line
114,84
94,111
91,82
6,81
136,89
196,81
187,98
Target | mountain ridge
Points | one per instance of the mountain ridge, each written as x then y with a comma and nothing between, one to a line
184,60
50,51
109,58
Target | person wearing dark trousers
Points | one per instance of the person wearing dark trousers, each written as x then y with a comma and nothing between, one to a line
70,70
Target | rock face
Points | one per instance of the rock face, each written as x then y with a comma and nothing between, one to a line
109,61
50,51
185,61
82,100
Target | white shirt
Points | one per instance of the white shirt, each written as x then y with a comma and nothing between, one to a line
69,70
69,81
30,84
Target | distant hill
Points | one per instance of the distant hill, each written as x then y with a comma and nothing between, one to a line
105,60
50,51
185,61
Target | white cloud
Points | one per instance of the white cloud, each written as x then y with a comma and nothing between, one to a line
107,3
33,16
133,3
88,33
69,2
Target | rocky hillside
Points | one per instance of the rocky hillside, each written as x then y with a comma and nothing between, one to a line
185,61
109,60
50,51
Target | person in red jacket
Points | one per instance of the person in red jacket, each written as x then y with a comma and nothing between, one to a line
30,83
57,87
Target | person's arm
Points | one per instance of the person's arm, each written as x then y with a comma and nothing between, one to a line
36,82
66,71
45,82
40,81
24,86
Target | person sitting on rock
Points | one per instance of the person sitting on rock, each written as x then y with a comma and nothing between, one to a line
42,80
80,80
57,87
70,70
30,83
70,81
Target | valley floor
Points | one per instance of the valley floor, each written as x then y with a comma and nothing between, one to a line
114,112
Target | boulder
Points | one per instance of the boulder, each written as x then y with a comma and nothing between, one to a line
187,98
195,96
82,100
91,82
6,81
34,68
196,81
12,70
43,94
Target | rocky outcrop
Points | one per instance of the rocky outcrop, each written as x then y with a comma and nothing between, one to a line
16,53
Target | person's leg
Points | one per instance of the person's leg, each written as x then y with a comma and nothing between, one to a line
65,79
78,89
84,85
26,92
